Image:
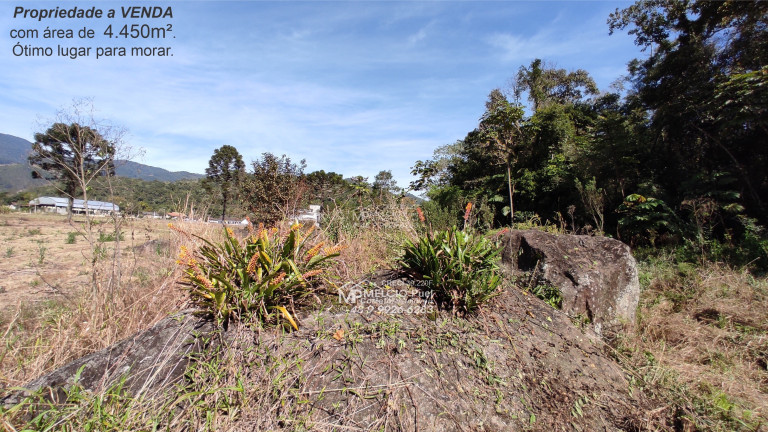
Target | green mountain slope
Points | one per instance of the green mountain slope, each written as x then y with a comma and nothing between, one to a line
15,175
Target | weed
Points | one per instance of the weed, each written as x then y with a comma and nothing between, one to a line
550,294
9,251
99,252
110,237
71,237
33,231
41,249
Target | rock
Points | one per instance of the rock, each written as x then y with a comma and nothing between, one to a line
597,276
516,365
149,360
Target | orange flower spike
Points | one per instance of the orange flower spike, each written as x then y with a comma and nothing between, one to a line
312,252
311,273
467,211
279,278
334,249
251,268
421,214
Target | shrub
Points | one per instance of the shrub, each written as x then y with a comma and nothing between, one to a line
110,237
644,220
71,237
251,279
461,265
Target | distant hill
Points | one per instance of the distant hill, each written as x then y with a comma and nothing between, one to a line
15,174
13,149
136,170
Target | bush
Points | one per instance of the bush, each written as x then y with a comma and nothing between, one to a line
251,279
110,237
71,237
461,265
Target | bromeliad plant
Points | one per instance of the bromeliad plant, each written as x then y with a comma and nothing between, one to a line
460,265
255,278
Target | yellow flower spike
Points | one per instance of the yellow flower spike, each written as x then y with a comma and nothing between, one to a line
230,232
295,226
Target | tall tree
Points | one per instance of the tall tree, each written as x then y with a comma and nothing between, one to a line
548,85
705,83
384,182
276,187
501,137
72,155
225,171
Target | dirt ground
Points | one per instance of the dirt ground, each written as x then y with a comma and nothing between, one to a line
41,261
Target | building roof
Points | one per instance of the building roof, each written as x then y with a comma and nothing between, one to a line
77,204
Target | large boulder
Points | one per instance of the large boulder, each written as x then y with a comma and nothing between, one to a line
148,361
392,362
597,276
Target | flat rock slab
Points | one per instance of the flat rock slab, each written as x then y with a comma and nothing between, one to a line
597,276
149,361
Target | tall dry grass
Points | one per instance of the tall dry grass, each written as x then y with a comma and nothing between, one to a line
373,236
701,346
38,338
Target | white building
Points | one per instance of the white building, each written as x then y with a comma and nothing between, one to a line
313,214
59,205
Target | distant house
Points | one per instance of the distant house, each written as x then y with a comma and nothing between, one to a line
59,205
313,215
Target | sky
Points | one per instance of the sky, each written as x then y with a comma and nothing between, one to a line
354,87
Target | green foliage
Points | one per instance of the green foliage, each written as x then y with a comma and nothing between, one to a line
275,188
9,251
225,173
71,237
73,155
41,249
461,266
550,294
254,278
644,220
110,237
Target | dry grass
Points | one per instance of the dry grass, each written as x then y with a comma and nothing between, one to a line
702,345
373,237
44,325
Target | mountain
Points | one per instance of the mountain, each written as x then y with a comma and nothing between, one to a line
13,149
15,175
124,168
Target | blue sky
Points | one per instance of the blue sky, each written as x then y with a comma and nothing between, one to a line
352,87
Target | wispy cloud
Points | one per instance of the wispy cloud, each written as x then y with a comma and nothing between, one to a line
353,87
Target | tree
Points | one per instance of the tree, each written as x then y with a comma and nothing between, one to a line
225,171
73,155
704,84
500,134
276,187
384,183
547,85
